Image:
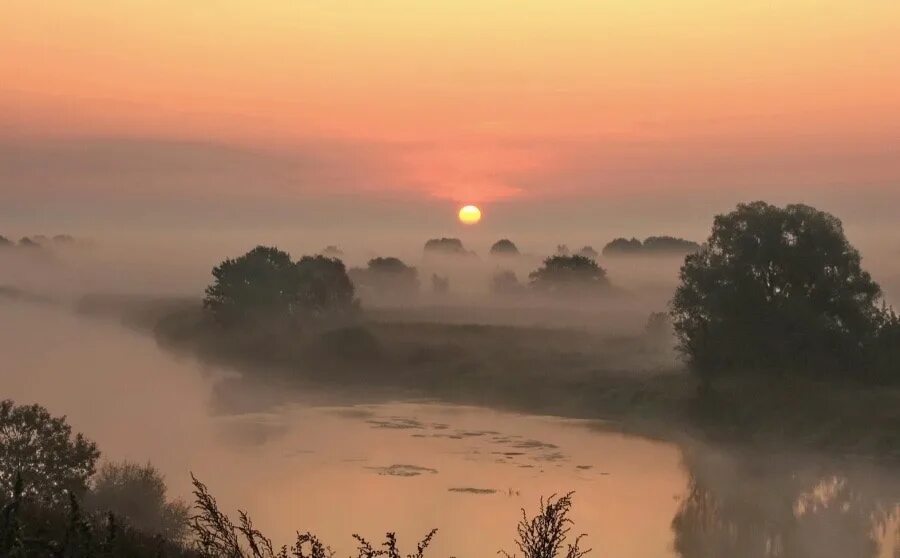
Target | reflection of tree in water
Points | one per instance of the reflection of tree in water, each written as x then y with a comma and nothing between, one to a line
751,506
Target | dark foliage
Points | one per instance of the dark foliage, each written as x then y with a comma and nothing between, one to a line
30,529
623,246
445,246
324,287
669,245
264,284
588,252
653,245
137,495
778,290
504,247
261,283
545,534
26,242
569,274
387,276
4,241
41,451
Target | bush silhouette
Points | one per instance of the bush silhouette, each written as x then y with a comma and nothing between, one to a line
504,247
445,246
574,274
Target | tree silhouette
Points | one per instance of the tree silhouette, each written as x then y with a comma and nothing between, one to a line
775,289
4,241
652,245
137,494
569,274
41,451
445,246
264,284
588,252
504,247
622,246
387,276
26,242
324,286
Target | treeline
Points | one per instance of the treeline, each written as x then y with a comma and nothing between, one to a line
651,246
37,241
773,291
53,504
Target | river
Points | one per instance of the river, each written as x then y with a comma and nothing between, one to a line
305,462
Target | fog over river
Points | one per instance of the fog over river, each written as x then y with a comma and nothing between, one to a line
335,466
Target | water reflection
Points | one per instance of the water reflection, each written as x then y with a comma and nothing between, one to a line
746,505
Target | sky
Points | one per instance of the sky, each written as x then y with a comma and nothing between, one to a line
549,114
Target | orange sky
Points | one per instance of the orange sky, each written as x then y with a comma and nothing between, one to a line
472,100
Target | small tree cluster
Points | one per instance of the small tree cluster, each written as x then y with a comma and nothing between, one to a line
265,284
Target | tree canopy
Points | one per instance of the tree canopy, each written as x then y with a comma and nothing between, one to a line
265,284
445,246
776,289
569,274
387,275
137,494
652,245
504,247
588,252
43,452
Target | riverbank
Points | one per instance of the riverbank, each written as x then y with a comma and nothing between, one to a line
630,382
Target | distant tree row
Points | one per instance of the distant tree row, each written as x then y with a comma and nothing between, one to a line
653,245
36,240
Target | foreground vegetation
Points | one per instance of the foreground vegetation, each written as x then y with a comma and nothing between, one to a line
123,511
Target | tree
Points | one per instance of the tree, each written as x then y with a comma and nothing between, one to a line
26,242
387,276
261,283
445,246
669,245
324,286
574,274
588,252
505,282
4,242
776,289
622,246
137,494
42,450
504,247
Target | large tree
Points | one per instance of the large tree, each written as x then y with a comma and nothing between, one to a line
569,274
324,286
265,284
261,283
775,289
41,450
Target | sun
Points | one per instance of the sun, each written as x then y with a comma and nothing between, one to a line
469,215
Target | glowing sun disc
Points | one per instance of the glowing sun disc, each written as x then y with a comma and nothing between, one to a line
469,215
